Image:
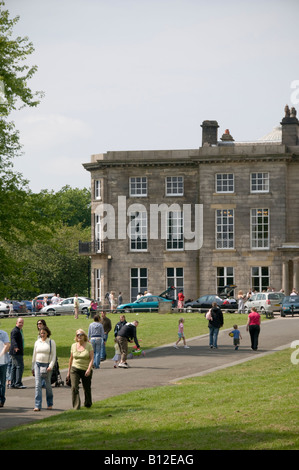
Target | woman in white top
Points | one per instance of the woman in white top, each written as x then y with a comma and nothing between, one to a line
43,360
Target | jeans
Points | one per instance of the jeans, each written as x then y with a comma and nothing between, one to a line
17,371
8,370
96,342
103,348
3,368
213,336
38,385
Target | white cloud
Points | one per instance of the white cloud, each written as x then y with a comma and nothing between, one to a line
49,130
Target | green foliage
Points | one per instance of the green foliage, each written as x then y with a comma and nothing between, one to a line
49,264
71,206
14,72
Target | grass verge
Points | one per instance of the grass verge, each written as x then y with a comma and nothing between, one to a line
252,406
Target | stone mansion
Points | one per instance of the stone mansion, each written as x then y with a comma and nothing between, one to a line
197,219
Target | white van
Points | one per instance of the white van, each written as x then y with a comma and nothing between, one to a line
265,302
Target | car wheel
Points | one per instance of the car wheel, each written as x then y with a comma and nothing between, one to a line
127,310
85,311
51,312
189,310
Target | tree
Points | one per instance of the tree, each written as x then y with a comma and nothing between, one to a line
21,222
69,205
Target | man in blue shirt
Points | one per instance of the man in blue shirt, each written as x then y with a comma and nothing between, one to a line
4,348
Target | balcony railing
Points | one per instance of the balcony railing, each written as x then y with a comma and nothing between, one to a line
91,248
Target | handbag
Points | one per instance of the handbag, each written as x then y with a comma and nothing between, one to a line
43,371
209,315
68,381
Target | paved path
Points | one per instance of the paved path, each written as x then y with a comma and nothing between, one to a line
160,366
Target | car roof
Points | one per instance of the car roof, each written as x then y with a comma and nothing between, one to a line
45,295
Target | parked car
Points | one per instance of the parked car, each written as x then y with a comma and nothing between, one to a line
39,304
290,305
16,305
265,302
205,303
28,305
145,303
67,306
4,309
42,296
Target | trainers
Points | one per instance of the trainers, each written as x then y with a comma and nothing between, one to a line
176,347
123,365
187,347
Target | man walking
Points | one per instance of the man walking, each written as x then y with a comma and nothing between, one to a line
215,324
126,333
106,322
17,354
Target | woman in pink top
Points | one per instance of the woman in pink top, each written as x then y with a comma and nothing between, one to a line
253,325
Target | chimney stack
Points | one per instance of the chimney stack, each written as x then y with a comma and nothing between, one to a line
227,137
290,127
209,132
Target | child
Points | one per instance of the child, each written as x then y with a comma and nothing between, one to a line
236,335
116,357
181,334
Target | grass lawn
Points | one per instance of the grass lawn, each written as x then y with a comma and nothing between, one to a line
154,330
251,406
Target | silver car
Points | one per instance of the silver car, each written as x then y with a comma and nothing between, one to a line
265,302
4,309
67,306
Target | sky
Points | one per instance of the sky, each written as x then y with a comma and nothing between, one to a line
145,74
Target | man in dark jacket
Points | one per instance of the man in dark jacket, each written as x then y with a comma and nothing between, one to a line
125,334
106,322
120,324
215,324
17,354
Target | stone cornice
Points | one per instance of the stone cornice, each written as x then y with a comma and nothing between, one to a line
102,164
191,162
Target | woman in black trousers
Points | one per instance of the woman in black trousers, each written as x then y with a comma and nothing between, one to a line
253,325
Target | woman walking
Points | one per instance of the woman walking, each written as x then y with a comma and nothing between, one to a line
80,368
43,361
253,325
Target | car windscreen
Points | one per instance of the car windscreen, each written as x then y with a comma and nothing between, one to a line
276,296
291,299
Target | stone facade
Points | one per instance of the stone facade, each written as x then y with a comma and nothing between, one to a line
242,197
